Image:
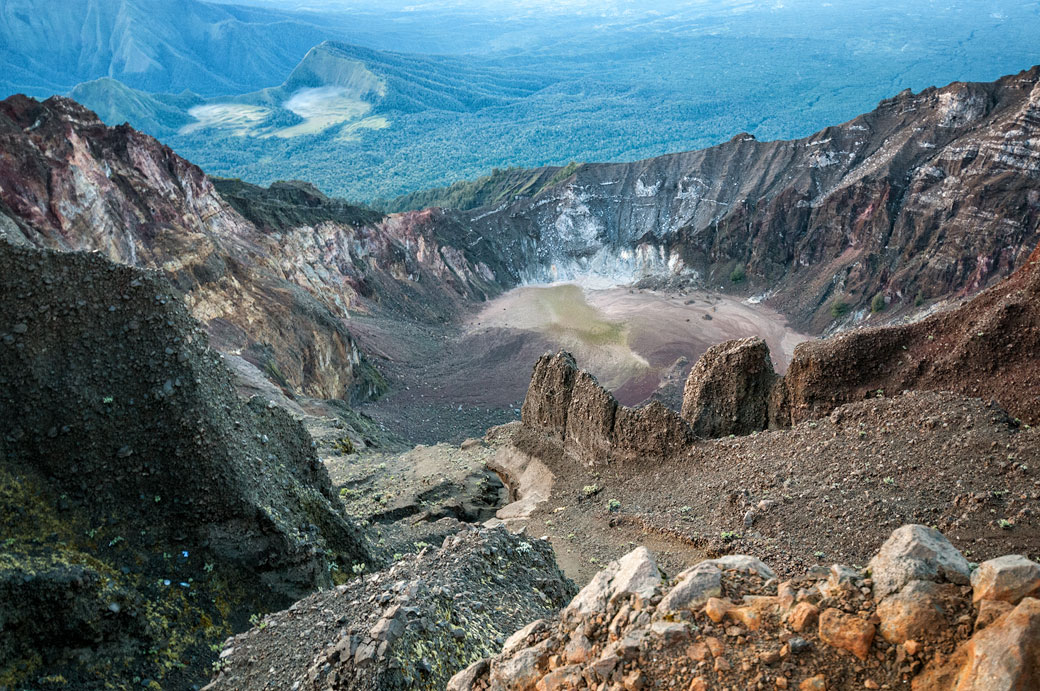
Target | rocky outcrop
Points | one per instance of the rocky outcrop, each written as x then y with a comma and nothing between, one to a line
145,506
729,624
549,397
569,406
274,287
410,627
916,553
729,389
922,198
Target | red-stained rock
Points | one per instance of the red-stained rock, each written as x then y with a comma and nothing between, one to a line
847,632
1004,656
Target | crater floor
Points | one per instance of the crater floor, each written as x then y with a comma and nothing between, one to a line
450,382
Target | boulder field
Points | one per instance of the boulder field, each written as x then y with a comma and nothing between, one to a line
918,616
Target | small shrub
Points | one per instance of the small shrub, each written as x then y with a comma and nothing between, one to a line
878,303
344,445
839,308
737,275
613,506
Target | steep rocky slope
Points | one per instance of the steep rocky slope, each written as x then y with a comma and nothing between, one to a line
918,616
146,510
411,627
985,348
930,195
279,296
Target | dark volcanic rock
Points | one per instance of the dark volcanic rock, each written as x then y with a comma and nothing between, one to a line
146,509
650,433
410,627
728,389
590,419
290,204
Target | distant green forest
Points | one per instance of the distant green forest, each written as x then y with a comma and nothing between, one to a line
371,125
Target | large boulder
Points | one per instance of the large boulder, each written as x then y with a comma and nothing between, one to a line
729,388
846,631
916,553
633,575
1009,578
693,588
913,613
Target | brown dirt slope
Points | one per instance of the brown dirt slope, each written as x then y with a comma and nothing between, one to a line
989,347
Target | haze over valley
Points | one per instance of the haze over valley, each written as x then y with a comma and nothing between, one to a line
388,104
354,345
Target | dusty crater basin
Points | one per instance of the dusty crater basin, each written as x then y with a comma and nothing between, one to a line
633,340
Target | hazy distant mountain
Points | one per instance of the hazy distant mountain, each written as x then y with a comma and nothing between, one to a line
48,47
399,101
336,90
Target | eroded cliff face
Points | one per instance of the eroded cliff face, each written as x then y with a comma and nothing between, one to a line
729,389
930,195
985,348
279,295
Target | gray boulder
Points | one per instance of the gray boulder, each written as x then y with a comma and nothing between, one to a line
916,553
